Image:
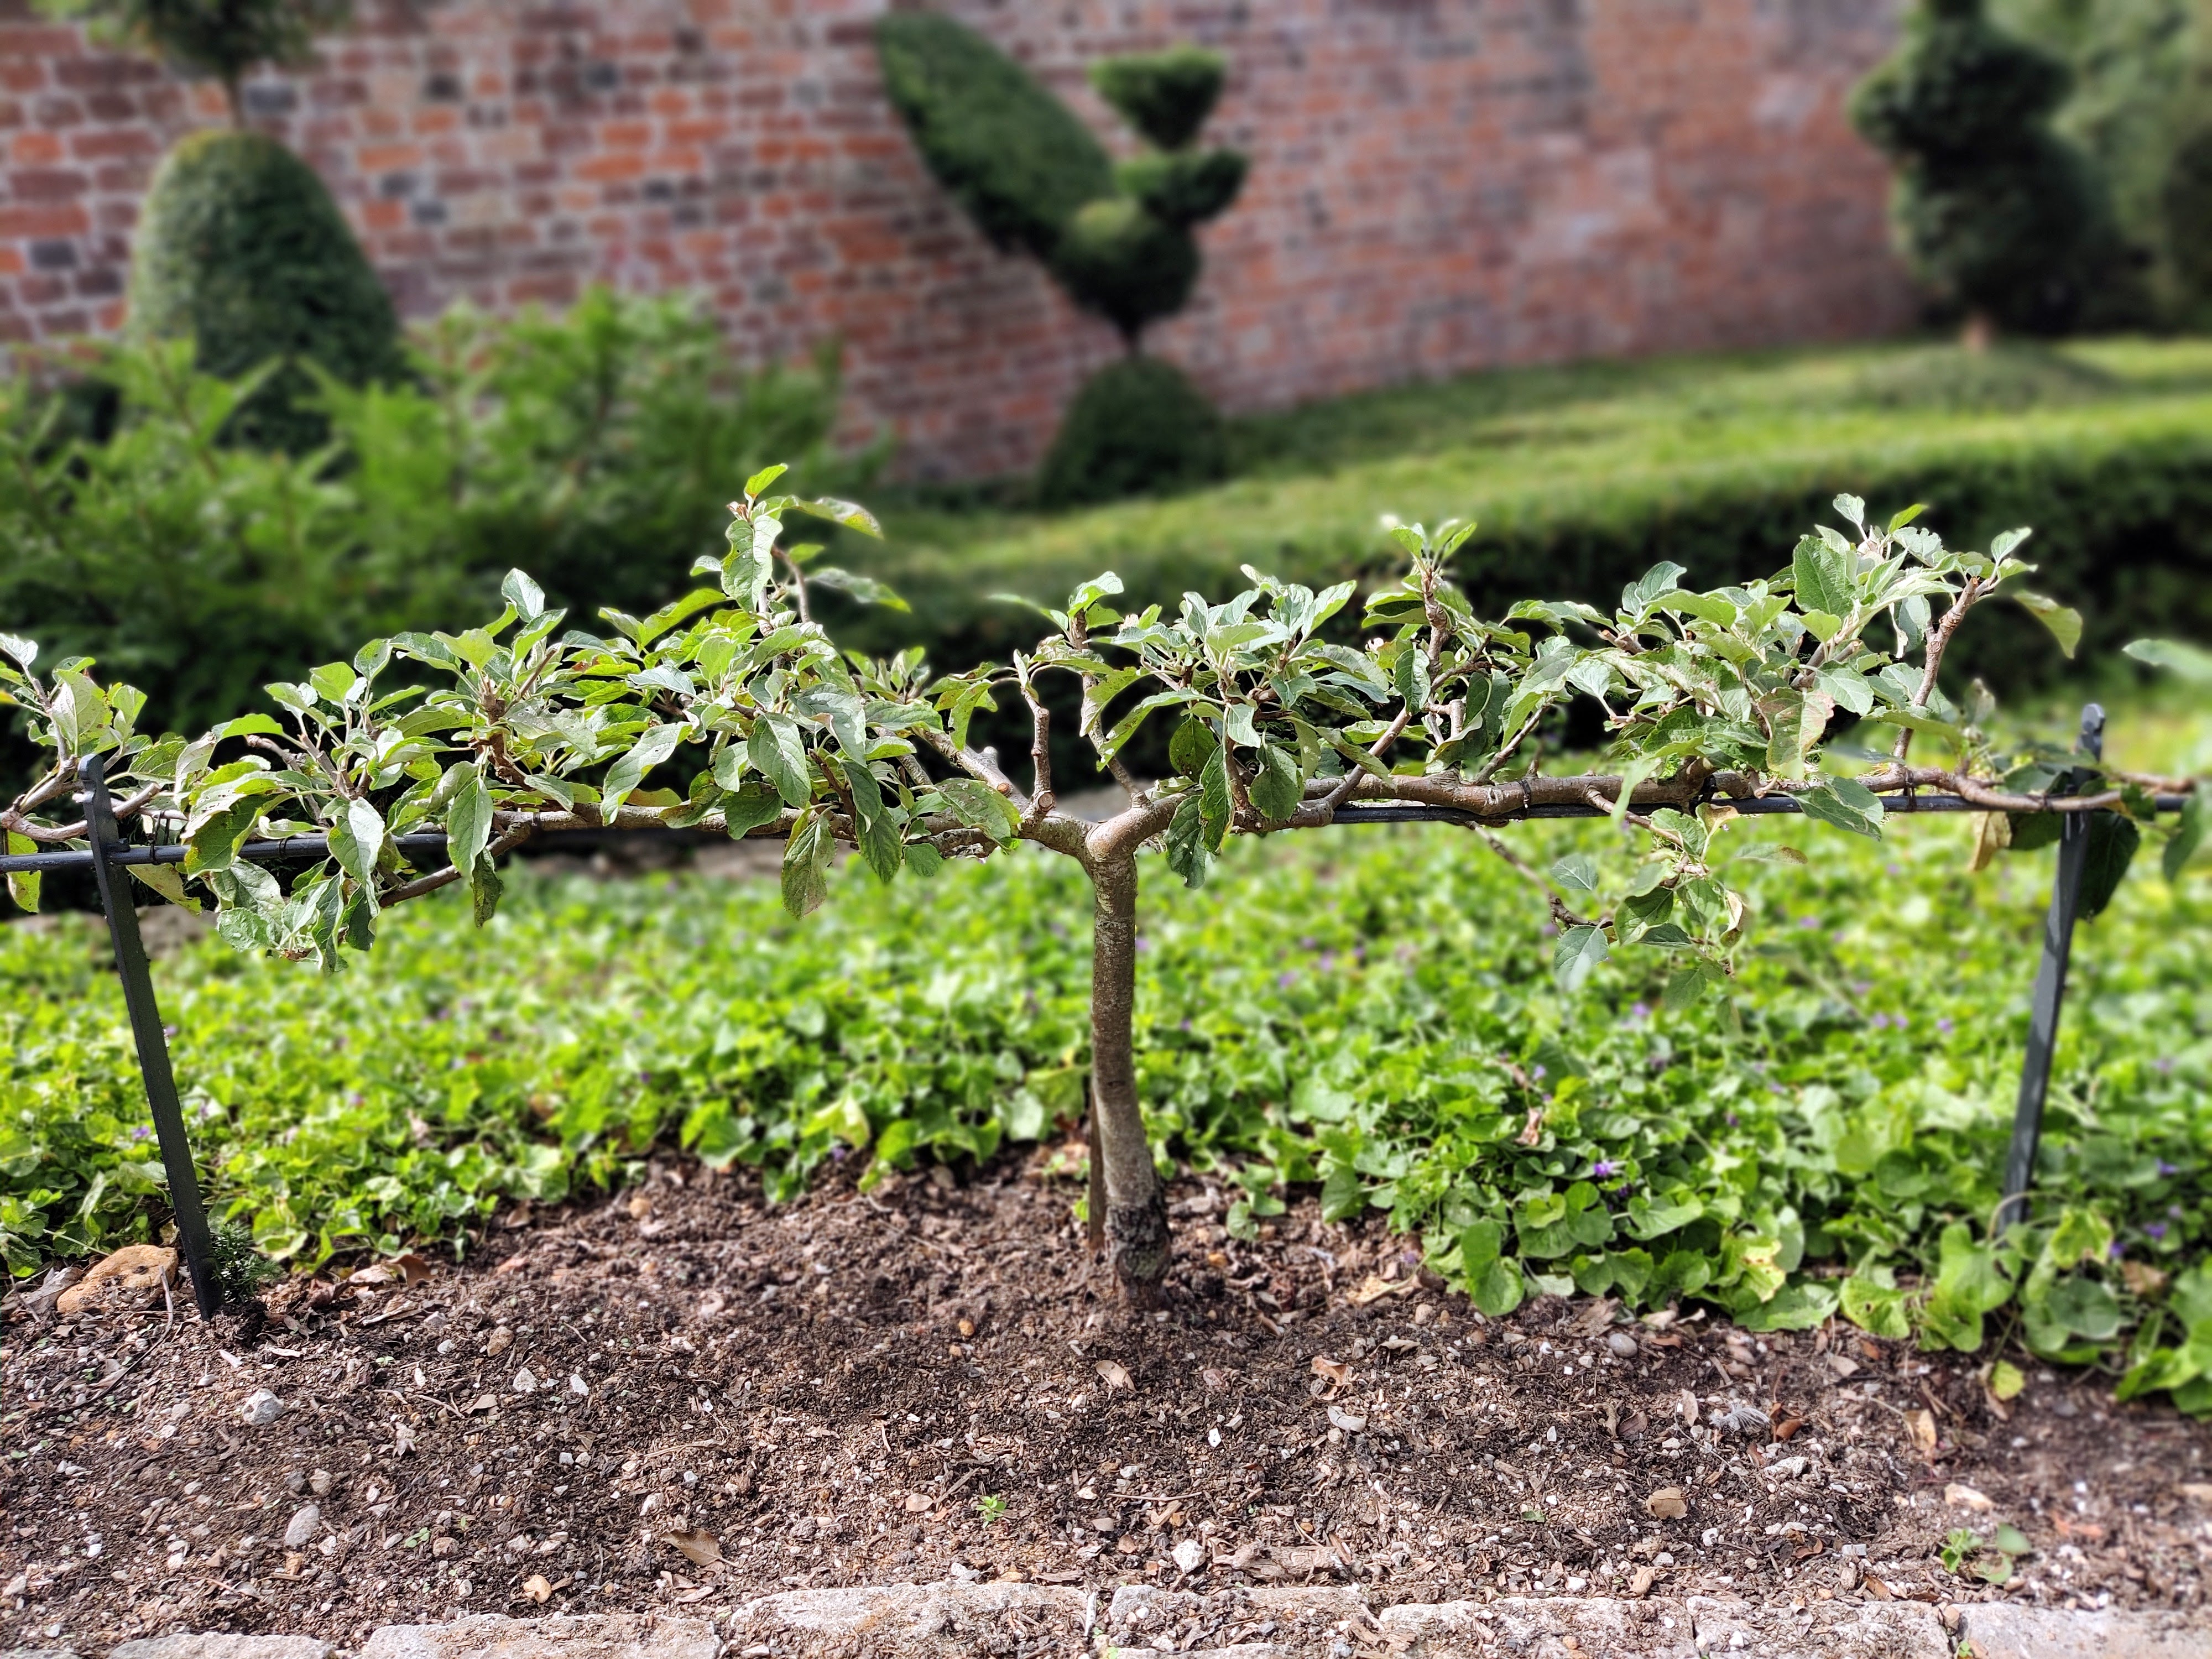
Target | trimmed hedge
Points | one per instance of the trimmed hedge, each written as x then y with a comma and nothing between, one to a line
2117,487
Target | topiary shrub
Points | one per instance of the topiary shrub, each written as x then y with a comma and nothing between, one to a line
1013,156
242,249
1137,427
1116,237
218,40
1999,215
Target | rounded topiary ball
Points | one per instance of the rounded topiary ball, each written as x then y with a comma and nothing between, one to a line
1139,426
1125,263
240,249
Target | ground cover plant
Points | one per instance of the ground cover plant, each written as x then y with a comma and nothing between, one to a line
1712,698
1370,1013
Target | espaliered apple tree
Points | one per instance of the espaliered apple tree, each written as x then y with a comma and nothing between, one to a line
733,692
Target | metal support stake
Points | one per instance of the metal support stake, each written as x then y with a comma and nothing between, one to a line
2049,985
115,897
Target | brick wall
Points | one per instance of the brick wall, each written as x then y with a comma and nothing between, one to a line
1437,184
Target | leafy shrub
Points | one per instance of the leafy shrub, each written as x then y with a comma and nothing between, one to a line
1013,156
1137,427
241,249
598,445
1335,1013
1998,214
1165,95
2139,107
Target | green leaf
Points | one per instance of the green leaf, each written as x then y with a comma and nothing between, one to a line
484,888
1213,803
1577,873
778,753
1343,1194
879,836
1189,749
2062,620
979,806
2190,662
1278,787
356,841
764,480
807,864
1578,955
1186,843
23,885
468,816
749,807
523,594
2188,834
1875,1308
2113,843
1845,803
1823,577
1493,1283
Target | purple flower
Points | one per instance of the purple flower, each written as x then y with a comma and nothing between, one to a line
1895,869
1603,1168
2156,1230
142,1132
2164,1168
1809,921
1732,1119
1640,1011
1537,1072
2113,1250
1900,1021
1773,1089
838,1152
1879,1023
1328,962
1285,981
2165,1064
1944,1025
1308,943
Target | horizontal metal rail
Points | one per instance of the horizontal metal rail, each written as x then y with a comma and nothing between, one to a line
302,849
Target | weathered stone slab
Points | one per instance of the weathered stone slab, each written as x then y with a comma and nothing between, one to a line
921,1619
1542,1628
1825,1630
1999,1630
599,1636
215,1645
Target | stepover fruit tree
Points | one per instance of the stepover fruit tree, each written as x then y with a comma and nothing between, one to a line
736,694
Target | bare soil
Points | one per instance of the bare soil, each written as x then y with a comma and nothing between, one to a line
680,1396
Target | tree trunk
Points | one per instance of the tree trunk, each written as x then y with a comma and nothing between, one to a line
1136,1212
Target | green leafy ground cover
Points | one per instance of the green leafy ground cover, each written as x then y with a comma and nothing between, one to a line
1584,475
1373,1011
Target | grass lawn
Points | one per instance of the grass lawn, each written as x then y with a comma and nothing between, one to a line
1559,456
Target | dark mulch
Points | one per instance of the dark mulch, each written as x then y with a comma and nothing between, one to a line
930,1380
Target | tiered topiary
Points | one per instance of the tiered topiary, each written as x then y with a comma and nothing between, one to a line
2002,218
1117,238
240,246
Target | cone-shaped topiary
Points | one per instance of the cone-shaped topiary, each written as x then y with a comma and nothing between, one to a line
241,248
1165,95
1998,214
1138,427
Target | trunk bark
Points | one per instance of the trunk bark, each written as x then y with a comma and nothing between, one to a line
1137,1246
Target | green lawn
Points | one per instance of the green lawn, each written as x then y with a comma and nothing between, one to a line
1583,475
1344,1008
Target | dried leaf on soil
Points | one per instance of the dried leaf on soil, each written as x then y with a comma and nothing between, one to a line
1666,1504
700,1548
1114,1374
1922,1426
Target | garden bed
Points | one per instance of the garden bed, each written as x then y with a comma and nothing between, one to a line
927,1382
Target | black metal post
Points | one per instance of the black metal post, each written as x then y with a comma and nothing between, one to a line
2050,986
193,1242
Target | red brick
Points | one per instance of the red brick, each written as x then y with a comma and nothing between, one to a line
1436,188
